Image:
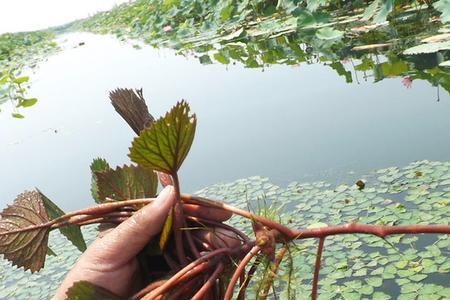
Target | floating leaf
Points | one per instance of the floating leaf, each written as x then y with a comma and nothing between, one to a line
99,164
366,290
127,182
418,277
374,281
71,232
380,296
25,248
428,48
83,290
317,225
164,145
165,233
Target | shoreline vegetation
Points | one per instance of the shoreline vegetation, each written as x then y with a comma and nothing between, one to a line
361,40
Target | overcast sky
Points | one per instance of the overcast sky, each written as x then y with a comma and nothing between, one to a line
27,15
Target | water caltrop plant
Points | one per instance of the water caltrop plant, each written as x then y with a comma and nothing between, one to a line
195,267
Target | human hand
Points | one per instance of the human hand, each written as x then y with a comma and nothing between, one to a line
110,261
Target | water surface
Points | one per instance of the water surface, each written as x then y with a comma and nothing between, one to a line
285,122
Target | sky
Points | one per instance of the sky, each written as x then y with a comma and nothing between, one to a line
29,15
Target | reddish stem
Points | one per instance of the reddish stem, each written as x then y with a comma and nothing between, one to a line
243,288
147,289
186,276
209,283
378,230
317,268
162,289
237,273
217,204
184,290
97,210
178,223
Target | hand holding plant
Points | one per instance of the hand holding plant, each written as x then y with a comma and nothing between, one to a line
205,258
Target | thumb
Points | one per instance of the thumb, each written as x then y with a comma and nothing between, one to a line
130,237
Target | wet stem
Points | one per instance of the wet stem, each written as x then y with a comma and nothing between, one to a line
178,221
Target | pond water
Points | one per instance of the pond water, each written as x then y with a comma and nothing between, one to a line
287,123
286,113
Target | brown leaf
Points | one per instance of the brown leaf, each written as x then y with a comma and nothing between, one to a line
25,247
125,183
131,106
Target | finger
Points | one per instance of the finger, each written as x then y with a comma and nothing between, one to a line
126,240
209,213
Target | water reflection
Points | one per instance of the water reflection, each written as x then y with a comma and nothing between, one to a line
287,123
355,58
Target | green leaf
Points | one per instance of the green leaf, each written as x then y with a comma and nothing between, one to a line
71,232
340,69
205,60
305,19
378,10
220,57
329,33
366,290
384,11
83,290
401,264
418,277
374,281
165,233
20,80
165,144
27,102
18,116
99,164
371,10
125,183
380,296
26,248
410,288
313,5
226,12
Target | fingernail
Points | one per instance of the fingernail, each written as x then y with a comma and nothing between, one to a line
165,193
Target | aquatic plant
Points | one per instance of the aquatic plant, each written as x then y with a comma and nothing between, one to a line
383,39
19,53
159,151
